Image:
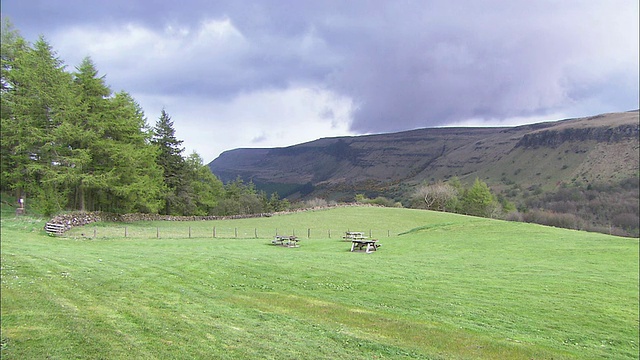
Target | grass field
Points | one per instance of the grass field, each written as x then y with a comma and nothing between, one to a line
442,286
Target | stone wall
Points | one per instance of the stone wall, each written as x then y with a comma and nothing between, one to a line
74,219
71,220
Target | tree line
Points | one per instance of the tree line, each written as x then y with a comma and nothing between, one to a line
606,208
450,196
70,143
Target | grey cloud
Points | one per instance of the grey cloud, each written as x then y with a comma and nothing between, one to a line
405,64
491,64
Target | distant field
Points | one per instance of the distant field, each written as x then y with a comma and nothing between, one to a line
442,286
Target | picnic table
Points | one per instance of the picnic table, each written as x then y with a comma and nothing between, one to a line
354,235
285,240
368,245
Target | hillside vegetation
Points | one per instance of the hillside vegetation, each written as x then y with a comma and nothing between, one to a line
531,166
442,286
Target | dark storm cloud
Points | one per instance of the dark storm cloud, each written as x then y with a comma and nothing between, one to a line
440,63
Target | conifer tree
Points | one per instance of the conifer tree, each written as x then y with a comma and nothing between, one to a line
66,141
171,162
36,98
205,188
478,200
86,132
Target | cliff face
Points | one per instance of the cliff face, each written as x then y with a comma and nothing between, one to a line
553,138
538,154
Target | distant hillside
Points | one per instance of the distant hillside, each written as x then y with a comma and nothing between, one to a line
597,149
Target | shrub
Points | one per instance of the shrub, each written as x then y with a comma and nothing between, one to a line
514,216
567,221
626,221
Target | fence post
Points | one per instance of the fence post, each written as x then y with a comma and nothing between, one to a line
189,232
125,231
214,232
157,233
255,232
329,233
369,232
236,232
94,231
308,233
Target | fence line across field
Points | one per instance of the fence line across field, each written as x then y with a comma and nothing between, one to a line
220,232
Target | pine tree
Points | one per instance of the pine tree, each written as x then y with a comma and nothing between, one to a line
36,99
205,189
137,183
172,163
12,45
478,200
110,149
66,141
86,138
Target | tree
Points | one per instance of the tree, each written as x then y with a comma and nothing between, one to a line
137,184
437,196
478,200
36,99
205,189
241,198
88,146
66,141
12,45
276,204
172,163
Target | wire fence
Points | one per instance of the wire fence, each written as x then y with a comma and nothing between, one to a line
200,232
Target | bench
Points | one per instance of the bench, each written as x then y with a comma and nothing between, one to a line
285,240
368,245
54,229
353,235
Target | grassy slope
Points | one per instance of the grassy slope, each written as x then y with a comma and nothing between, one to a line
448,286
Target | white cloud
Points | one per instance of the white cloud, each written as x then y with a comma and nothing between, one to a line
218,30
512,121
265,118
154,65
278,74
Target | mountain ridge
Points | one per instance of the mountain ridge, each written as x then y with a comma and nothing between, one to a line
600,148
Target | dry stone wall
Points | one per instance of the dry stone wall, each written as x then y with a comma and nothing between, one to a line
71,220
74,219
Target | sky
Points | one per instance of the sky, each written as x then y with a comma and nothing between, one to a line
273,73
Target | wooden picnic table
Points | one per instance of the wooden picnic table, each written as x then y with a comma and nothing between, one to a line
354,235
368,245
285,240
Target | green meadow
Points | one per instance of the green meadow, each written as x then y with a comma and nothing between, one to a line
442,286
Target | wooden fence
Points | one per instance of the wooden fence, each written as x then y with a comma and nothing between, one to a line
201,232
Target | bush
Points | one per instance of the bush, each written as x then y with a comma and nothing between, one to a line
626,221
316,202
514,216
567,221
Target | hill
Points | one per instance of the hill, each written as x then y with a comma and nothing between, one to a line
602,148
576,173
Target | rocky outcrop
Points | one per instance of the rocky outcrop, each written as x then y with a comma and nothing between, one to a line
554,138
